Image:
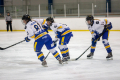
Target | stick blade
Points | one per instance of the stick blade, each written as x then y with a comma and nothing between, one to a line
76,58
72,60
1,48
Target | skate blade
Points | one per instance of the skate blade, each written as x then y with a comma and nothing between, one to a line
65,62
90,57
61,64
44,65
110,58
72,60
68,59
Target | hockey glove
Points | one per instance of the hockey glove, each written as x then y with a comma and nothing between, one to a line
45,28
54,43
27,39
108,26
93,35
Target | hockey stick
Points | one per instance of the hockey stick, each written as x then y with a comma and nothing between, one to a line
11,45
47,55
89,47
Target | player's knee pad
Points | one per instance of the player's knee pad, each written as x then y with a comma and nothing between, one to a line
107,46
52,50
61,47
105,41
63,52
65,46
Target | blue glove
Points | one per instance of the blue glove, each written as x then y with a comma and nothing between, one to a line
45,28
108,26
97,37
93,35
27,39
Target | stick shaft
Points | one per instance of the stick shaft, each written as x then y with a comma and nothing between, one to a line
14,44
82,53
47,55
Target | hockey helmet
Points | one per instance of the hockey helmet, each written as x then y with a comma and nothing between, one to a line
26,17
50,19
89,17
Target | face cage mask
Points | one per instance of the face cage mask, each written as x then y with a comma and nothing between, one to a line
50,23
23,22
91,22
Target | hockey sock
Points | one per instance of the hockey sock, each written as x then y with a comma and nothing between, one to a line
63,52
67,51
56,55
40,56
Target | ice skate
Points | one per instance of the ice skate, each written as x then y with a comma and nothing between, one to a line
60,61
44,63
90,56
109,56
64,60
68,57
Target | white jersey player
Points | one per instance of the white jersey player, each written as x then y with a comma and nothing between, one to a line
34,30
97,28
63,34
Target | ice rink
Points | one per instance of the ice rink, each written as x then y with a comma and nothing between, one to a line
20,62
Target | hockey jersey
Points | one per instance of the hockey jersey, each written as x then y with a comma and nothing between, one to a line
60,29
98,27
34,29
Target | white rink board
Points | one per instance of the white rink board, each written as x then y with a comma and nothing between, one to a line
20,62
73,23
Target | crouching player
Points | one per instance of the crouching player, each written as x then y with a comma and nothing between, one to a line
63,34
96,27
34,30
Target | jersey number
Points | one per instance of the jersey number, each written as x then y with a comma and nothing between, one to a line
36,27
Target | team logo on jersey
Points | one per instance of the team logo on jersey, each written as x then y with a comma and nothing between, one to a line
55,26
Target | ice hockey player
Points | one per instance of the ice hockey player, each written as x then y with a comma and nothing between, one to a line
63,34
97,27
34,30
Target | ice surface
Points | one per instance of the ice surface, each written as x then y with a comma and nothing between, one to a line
20,62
